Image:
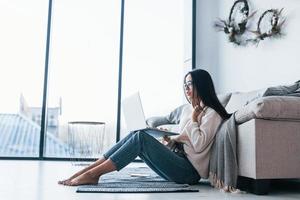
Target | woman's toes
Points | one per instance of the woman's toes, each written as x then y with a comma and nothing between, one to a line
69,183
62,182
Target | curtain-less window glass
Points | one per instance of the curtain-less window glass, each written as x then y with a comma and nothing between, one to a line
83,77
154,54
22,49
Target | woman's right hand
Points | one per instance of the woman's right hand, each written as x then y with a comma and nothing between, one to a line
197,109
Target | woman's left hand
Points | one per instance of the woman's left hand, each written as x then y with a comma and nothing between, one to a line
181,138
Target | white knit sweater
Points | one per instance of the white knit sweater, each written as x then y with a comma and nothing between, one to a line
200,137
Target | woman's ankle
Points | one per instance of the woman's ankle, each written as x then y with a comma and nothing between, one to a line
92,174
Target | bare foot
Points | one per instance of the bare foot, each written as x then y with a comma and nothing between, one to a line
84,179
64,182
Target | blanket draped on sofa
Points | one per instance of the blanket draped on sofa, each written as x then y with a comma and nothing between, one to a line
283,90
223,170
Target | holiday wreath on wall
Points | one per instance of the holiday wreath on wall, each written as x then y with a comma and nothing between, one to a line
269,24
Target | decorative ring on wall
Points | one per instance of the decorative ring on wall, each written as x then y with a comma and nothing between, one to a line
273,19
245,11
230,27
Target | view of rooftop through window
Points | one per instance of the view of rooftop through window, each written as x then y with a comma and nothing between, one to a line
22,49
83,71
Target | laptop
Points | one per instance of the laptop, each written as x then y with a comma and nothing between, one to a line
135,118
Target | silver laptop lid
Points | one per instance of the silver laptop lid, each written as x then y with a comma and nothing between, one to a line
133,112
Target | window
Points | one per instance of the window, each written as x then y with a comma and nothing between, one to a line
22,50
83,71
154,54
83,74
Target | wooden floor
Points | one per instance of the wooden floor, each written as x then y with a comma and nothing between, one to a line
37,180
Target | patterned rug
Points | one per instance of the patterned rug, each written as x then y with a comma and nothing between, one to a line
134,180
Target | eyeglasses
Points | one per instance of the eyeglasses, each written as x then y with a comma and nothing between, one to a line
188,85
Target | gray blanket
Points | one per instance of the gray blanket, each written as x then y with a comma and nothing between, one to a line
284,90
223,160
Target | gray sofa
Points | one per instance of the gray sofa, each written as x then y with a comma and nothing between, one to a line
268,136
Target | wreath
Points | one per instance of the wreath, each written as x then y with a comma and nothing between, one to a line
276,22
234,29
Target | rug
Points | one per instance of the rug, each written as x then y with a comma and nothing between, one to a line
134,180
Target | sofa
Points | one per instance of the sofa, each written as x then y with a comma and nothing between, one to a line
268,136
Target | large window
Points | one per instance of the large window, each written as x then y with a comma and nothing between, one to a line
22,49
81,91
83,78
154,54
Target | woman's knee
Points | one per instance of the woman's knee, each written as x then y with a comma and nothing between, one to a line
140,134
132,133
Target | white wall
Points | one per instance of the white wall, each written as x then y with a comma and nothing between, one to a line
272,62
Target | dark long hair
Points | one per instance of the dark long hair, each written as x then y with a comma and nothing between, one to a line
203,84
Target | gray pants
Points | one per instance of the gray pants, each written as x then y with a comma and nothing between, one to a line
158,157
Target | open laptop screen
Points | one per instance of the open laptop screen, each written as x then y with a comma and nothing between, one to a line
133,112
135,117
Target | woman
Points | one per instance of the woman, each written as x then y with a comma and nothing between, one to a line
198,126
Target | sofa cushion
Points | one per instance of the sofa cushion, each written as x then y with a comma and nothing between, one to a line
240,99
174,116
271,107
224,98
